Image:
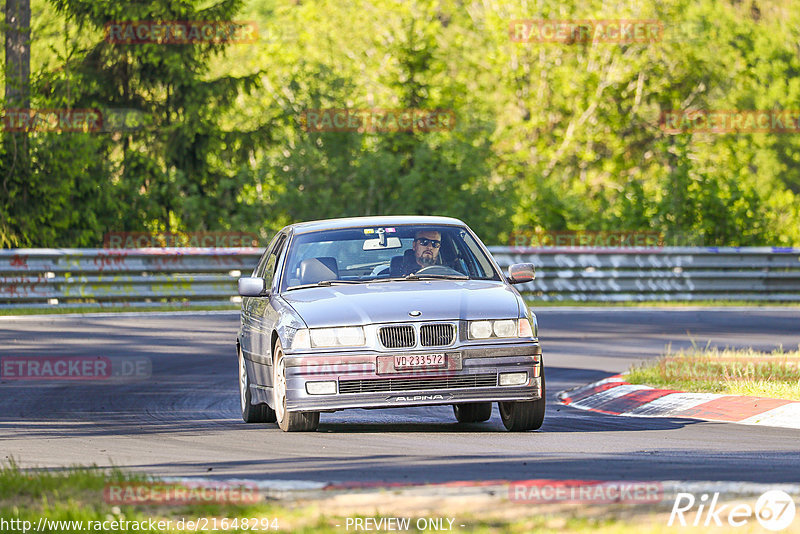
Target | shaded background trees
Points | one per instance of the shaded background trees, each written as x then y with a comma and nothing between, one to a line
547,135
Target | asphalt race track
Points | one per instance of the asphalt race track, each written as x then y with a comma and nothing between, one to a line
184,420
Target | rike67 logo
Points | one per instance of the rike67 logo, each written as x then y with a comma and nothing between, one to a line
774,510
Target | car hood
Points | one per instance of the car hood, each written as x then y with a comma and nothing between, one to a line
387,302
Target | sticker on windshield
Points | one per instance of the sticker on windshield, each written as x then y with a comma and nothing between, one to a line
379,230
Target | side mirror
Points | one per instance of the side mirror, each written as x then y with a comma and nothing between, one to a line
519,273
251,287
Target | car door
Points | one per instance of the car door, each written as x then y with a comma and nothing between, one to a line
258,313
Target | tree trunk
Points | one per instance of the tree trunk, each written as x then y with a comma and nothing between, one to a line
18,53
17,90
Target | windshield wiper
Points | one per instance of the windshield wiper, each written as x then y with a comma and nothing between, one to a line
415,276
326,283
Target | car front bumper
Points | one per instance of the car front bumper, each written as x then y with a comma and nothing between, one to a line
369,379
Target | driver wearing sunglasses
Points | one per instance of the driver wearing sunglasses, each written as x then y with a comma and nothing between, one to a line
424,252
426,247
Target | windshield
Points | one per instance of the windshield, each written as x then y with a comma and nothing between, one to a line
357,255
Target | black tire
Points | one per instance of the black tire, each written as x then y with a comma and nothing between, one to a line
522,416
288,421
251,413
474,412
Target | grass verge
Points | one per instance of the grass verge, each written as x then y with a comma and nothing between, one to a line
71,498
729,371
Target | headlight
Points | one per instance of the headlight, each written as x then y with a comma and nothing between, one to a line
346,336
501,328
323,337
480,329
350,336
506,328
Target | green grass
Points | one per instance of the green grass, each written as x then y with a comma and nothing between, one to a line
76,494
16,483
728,371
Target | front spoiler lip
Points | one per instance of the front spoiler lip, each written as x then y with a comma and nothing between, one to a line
435,397
490,357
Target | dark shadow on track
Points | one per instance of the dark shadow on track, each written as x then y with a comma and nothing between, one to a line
762,466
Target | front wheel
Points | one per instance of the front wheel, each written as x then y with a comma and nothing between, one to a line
288,421
521,416
251,413
476,412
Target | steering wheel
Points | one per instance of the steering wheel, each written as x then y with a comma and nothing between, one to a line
438,269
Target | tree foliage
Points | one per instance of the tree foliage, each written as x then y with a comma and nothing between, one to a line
547,135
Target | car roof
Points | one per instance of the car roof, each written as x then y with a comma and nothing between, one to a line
355,222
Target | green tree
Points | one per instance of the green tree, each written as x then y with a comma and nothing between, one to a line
333,174
179,169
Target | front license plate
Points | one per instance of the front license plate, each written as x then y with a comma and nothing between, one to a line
420,361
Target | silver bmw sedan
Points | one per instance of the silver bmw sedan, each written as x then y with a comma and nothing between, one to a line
382,312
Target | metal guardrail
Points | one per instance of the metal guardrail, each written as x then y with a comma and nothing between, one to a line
37,278
659,274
